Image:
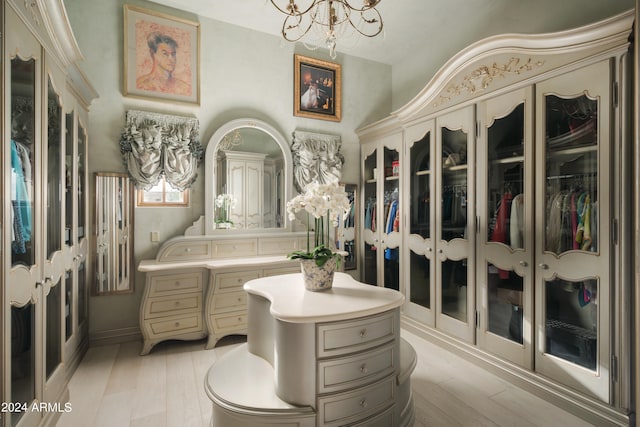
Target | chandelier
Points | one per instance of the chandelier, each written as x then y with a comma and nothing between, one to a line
230,140
327,20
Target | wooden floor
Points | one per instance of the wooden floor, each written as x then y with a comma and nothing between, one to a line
115,387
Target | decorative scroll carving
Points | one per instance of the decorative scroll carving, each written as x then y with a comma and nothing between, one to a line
316,157
155,145
483,76
32,7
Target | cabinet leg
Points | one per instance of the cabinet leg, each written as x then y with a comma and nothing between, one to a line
212,341
146,347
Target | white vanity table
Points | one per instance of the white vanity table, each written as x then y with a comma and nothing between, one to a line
193,288
327,358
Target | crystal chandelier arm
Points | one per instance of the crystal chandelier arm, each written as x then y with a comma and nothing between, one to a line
296,26
376,18
292,8
366,5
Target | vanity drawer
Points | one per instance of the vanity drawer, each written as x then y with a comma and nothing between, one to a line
169,284
356,371
234,281
338,338
277,246
233,321
177,325
281,270
345,408
187,251
229,301
235,248
172,305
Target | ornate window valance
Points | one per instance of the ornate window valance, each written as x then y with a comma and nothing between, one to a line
155,145
316,157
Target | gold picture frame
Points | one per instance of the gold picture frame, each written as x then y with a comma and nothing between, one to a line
161,56
317,89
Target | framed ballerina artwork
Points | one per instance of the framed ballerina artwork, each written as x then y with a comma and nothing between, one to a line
317,89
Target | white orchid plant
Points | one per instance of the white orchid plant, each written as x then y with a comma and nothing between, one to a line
322,202
225,203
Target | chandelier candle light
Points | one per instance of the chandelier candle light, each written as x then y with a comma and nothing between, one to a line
322,201
329,19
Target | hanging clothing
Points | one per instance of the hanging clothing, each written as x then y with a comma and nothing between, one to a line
501,230
391,254
516,225
20,200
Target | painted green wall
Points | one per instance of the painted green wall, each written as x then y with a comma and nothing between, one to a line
479,19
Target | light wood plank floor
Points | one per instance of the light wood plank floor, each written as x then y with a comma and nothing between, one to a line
115,387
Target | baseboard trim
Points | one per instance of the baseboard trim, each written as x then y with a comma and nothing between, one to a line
114,336
590,410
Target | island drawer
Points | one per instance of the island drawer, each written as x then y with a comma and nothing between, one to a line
346,408
355,371
346,337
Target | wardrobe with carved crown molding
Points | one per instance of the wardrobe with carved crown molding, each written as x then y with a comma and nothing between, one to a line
45,230
513,244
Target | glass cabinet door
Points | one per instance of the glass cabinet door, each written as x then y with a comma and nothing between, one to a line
456,224
69,143
421,274
82,182
390,222
505,243
369,206
54,225
572,271
25,260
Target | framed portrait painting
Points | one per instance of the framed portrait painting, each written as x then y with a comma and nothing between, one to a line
317,89
161,56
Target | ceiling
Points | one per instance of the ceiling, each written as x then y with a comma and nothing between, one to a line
442,26
405,27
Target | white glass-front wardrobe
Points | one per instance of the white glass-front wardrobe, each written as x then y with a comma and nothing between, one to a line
511,193
45,232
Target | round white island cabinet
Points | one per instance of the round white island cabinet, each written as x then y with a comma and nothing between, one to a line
330,358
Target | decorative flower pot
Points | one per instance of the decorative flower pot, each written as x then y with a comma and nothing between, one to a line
318,278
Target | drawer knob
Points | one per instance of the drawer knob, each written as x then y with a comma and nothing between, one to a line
177,283
177,303
177,324
239,299
363,403
363,368
239,319
239,280
363,332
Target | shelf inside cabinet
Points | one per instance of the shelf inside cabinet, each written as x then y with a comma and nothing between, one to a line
508,160
572,151
392,178
455,168
424,172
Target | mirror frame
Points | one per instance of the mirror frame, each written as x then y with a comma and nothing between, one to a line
210,173
116,182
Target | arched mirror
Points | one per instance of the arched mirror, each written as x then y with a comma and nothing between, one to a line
248,174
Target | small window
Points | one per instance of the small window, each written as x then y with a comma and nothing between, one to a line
163,194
